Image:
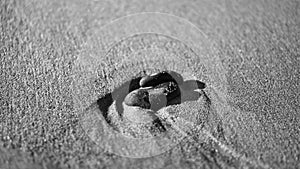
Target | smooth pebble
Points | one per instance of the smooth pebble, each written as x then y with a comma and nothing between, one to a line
139,97
161,77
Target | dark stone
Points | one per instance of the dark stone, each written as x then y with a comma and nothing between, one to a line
161,77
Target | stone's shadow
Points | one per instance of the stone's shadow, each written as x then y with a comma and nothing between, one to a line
104,103
119,94
194,84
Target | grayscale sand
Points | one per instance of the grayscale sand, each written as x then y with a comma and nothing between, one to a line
256,126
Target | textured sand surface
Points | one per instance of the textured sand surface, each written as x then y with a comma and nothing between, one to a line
257,42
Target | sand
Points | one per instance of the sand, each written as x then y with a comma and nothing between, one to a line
50,75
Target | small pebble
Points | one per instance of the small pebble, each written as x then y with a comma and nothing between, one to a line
161,77
134,82
157,100
139,97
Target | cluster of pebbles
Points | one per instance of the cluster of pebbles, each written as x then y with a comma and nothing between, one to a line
155,91
146,97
